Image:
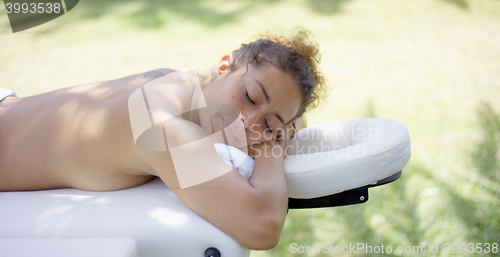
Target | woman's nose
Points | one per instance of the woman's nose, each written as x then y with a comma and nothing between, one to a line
249,120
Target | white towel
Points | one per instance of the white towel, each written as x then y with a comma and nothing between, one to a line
238,159
7,92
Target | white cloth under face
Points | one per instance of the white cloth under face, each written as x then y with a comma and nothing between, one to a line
6,92
238,159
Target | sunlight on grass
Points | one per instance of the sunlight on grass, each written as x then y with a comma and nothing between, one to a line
433,65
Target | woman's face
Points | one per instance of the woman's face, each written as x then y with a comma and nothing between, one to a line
266,98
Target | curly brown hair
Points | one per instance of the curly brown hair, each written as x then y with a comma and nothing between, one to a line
295,54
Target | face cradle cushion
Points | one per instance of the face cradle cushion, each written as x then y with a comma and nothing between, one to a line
333,157
339,159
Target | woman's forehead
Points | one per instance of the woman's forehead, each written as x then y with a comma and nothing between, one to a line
279,88
271,76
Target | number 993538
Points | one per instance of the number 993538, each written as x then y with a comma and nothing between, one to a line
471,248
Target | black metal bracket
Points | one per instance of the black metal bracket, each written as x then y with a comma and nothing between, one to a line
340,199
349,197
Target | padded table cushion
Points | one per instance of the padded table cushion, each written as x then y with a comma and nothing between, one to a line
88,247
161,224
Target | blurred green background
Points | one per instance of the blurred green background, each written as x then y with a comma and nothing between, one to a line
433,65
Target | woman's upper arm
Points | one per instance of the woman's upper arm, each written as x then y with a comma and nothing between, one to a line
193,170
247,213
228,201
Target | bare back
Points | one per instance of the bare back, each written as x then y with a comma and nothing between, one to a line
73,137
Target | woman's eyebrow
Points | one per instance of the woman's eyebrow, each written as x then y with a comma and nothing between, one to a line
267,99
279,118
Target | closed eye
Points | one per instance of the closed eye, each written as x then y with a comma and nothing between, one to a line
267,126
248,98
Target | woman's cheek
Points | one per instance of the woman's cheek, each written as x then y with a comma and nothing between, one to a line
256,137
251,138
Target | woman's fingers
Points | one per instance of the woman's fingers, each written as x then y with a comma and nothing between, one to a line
280,140
287,132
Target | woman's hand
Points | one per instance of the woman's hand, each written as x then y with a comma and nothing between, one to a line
275,147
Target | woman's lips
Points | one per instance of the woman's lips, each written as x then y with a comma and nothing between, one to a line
229,129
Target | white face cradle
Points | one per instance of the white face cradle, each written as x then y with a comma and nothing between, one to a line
338,156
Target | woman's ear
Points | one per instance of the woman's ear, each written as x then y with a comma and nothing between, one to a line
221,67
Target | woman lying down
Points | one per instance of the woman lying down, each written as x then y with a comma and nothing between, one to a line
123,133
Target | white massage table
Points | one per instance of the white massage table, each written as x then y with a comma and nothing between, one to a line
345,158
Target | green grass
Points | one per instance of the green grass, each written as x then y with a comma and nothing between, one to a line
434,65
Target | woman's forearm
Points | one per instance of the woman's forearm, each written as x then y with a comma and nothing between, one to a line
269,181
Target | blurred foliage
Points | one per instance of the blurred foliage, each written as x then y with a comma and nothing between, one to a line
433,65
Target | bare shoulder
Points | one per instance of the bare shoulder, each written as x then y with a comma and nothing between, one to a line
157,73
134,80
140,78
